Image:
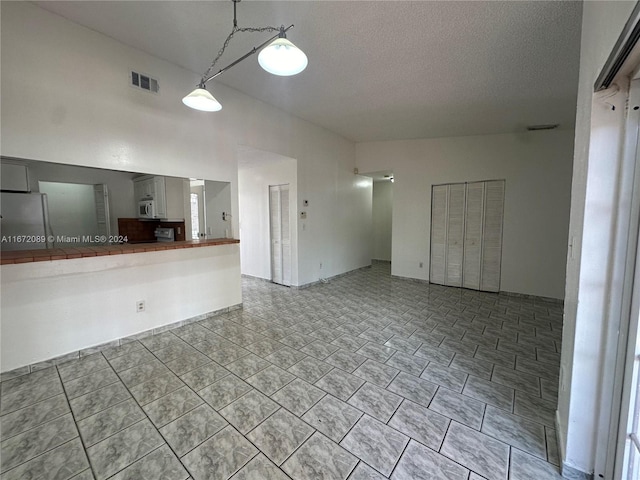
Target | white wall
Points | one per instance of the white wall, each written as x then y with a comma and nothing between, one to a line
339,208
537,170
54,308
254,179
85,113
382,211
217,197
586,362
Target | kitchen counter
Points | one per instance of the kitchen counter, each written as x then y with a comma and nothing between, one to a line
28,256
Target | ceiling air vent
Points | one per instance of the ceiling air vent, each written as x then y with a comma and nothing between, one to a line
144,82
550,126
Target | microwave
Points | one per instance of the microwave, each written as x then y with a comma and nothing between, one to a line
146,209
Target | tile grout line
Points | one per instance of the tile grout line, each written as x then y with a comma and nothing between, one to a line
73,416
151,423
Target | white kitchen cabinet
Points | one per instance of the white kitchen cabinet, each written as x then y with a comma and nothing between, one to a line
143,188
167,194
14,177
466,234
160,197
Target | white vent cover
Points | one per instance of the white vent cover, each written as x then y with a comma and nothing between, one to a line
144,82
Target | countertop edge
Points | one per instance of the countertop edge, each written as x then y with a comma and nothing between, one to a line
43,255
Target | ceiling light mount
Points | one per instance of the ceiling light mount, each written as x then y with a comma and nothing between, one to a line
277,56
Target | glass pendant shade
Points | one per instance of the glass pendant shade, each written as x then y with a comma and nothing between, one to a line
281,57
201,99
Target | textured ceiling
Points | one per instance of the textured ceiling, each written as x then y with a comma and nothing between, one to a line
377,70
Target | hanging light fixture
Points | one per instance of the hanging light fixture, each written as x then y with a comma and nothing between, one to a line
282,57
201,99
277,56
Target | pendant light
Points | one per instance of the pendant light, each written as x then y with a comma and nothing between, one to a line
282,57
277,56
201,99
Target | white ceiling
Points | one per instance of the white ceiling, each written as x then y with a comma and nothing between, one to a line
378,70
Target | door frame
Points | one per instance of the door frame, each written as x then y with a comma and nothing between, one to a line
625,364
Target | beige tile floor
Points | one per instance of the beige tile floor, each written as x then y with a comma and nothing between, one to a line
366,377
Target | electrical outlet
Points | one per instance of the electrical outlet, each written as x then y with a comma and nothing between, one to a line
421,265
140,306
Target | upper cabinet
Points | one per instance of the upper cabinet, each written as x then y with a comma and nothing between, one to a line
14,177
167,193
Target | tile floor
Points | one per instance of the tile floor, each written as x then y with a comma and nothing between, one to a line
367,377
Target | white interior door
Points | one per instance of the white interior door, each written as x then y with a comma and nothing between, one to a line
474,220
280,234
455,234
466,234
437,264
492,236
285,231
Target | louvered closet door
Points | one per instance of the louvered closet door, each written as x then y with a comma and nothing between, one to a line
473,235
101,194
285,235
492,236
455,235
280,234
439,195
276,234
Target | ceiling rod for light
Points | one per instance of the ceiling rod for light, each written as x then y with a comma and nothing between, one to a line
280,57
253,50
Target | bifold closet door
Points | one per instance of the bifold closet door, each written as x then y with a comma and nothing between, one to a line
437,265
280,234
455,234
286,235
492,236
447,234
473,235
466,234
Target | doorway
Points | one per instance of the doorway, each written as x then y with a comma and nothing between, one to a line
78,213
280,230
257,171
382,217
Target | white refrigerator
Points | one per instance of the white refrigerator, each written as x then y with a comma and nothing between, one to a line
24,221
